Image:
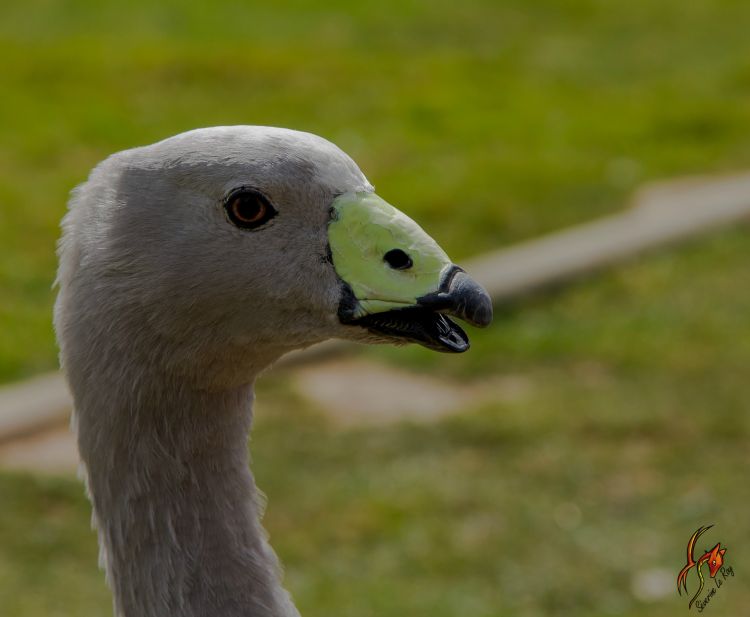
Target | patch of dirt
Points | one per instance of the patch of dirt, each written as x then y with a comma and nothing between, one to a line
357,392
51,451
352,391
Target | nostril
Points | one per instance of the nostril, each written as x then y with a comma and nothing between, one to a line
398,260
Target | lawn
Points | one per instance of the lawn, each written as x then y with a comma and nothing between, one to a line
489,122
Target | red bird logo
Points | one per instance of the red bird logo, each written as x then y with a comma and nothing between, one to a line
714,558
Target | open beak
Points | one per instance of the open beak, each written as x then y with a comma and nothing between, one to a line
398,283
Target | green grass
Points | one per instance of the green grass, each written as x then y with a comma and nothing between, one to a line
489,122
548,504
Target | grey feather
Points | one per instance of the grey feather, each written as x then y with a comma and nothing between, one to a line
165,316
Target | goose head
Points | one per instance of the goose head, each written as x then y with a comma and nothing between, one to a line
231,243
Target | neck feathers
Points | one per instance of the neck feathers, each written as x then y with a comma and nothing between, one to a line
175,503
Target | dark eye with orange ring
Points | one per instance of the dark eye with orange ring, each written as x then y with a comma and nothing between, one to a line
248,208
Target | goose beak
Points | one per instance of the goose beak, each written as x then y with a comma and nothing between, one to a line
397,282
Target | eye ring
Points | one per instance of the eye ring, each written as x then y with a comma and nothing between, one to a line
248,208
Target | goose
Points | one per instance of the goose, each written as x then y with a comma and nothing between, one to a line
186,268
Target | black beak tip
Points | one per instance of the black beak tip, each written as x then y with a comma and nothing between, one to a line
472,302
480,314
461,296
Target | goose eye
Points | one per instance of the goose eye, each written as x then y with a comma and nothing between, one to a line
248,208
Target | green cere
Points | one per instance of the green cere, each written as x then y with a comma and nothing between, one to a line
365,228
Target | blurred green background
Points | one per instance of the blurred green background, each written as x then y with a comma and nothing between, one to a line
489,122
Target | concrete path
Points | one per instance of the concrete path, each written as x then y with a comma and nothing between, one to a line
51,451
33,405
661,215
351,391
